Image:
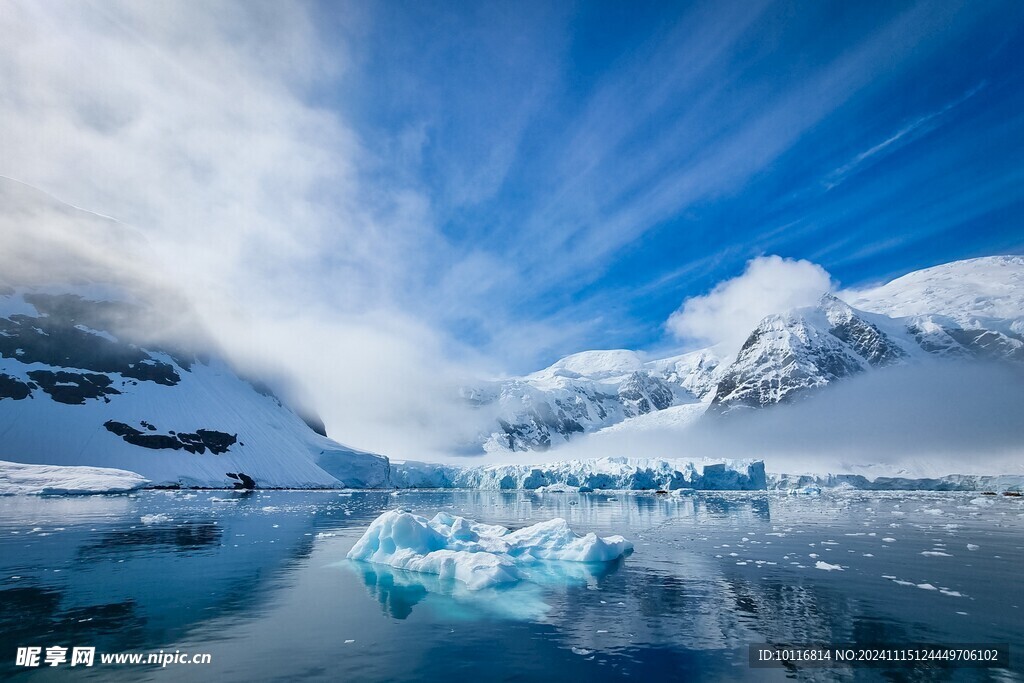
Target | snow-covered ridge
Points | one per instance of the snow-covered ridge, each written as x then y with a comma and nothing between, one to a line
20,479
478,555
967,291
602,473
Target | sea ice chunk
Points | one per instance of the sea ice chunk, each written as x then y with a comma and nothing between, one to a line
479,555
158,518
827,567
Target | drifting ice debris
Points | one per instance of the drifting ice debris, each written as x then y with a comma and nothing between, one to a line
479,555
158,518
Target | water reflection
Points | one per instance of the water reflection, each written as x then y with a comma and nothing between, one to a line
397,594
398,591
260,579
183,537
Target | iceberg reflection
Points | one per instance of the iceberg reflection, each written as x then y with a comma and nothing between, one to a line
398,591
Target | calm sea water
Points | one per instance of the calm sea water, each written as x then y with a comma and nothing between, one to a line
260,581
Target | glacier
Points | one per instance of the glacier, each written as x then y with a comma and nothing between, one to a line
616,473
478,555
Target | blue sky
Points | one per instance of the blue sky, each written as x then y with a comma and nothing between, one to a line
591,165
387,201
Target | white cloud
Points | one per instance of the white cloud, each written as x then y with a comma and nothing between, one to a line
191,123
728,313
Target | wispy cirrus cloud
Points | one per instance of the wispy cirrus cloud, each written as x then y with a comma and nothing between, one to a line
918,126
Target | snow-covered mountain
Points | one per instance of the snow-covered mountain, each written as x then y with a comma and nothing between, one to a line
97,373
586,392
971,309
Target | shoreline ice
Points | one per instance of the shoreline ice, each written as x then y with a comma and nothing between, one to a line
39,480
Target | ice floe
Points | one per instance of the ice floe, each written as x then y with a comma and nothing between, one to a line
827,567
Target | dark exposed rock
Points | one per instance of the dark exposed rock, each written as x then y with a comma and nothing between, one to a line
780,360
197,442
866,340
242,480
311,419
118,318
643,393
314,422
988,344
59,340
72,387
11,387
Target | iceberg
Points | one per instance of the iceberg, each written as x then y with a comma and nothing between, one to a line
478,555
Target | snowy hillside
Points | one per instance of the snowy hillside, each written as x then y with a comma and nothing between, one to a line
969,291
970,309
76,390
94,371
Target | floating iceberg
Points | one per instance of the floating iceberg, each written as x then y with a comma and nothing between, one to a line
478,555
20,479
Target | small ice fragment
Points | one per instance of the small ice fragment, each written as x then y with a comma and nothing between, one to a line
350,640
888,539
155,518
935,553
971,546
827,567
927,587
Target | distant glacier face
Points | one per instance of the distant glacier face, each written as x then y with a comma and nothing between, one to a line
601,473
